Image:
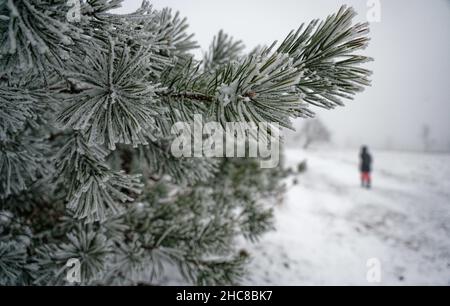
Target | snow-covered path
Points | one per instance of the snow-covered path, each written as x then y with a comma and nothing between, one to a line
329,226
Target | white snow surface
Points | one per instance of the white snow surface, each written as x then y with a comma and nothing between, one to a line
329,227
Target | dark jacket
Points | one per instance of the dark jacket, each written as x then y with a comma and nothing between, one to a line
366,161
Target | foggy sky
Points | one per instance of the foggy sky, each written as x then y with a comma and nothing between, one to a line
410,45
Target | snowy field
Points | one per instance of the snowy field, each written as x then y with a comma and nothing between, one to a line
329,226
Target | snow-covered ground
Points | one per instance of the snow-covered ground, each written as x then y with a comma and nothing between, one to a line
329,227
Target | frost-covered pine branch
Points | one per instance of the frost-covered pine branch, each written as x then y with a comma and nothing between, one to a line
86,110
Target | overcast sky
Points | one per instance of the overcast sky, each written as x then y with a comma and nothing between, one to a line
410,44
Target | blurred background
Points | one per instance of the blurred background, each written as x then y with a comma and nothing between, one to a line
329,229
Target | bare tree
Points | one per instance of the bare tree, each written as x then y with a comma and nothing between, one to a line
314,131
425,135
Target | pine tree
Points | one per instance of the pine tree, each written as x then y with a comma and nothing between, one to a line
86,108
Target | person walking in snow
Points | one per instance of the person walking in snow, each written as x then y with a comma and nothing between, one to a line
365,166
